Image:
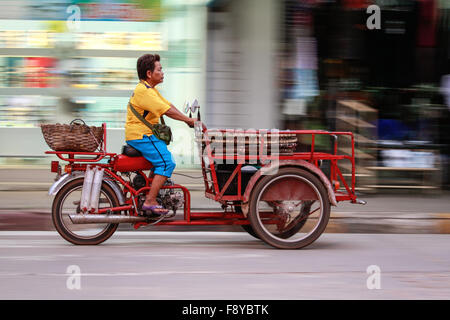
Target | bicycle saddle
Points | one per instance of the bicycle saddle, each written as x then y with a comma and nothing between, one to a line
130,151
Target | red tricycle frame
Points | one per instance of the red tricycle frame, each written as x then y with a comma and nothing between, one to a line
117,164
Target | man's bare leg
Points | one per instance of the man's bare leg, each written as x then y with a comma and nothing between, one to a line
158,182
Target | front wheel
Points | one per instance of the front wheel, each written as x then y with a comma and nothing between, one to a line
290,209
67,202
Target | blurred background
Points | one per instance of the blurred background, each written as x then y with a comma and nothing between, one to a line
261,64
288,64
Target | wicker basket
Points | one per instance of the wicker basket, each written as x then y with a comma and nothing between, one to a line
75,137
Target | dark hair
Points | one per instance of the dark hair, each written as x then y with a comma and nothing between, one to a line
145,63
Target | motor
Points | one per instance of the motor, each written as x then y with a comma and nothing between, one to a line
170,199
139,181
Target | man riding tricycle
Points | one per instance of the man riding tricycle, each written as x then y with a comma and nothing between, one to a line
275,193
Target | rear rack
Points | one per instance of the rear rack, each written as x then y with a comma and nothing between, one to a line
213,192
70,156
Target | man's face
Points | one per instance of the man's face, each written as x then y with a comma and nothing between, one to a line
157,76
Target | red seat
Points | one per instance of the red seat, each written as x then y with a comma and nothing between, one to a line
123,163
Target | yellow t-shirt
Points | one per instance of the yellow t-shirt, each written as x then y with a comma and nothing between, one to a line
144,98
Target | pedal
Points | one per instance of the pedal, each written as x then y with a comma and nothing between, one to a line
156,219
170,215
152,216
359,201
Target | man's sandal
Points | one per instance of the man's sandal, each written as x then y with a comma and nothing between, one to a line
156,210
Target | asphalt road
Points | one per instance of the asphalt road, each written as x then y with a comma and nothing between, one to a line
223,265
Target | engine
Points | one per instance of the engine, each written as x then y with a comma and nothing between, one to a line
170,199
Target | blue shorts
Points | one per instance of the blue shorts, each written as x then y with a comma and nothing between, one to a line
155,151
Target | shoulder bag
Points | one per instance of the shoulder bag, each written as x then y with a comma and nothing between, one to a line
160,130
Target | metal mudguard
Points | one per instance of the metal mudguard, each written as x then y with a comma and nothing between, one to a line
273,169
66,178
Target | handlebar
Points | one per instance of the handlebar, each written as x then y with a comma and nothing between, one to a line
192,109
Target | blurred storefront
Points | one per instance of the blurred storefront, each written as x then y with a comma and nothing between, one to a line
386,85
314,64
64,59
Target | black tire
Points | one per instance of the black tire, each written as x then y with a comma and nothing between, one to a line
247,227
62,226
286,234
282,240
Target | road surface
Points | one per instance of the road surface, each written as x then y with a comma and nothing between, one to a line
223,265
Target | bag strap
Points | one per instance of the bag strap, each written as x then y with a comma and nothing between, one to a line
139,116
146,111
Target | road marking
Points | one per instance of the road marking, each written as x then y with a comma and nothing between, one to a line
223,272
12,183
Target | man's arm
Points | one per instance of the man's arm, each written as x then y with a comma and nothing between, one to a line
175,114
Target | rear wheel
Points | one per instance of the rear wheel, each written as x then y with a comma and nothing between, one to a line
293,228
246,227
289,210
67,202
